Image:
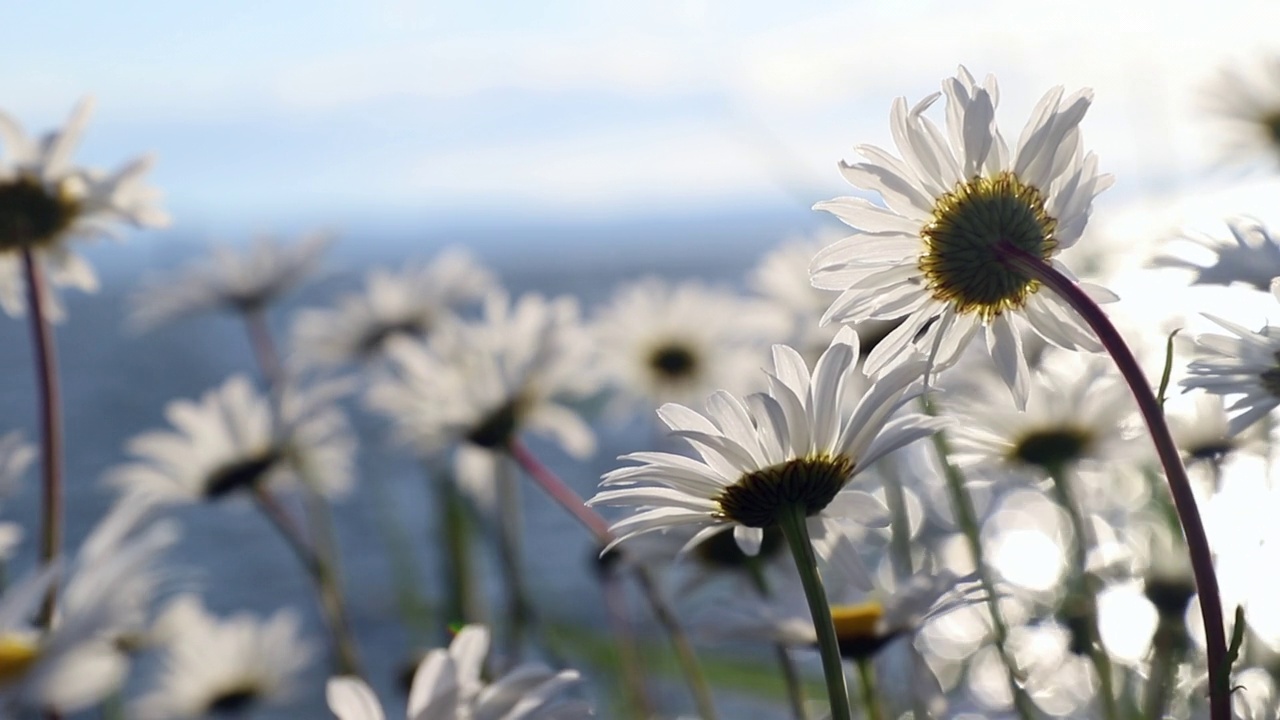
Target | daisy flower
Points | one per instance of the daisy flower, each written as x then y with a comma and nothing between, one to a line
45,201
1253,257
1246,102
238,281
230,440
952,199
1202,432
449,685
409,302
663,342
1247,365
778,449
213,666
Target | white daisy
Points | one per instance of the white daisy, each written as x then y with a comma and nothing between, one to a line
230,440
1247,365
410,302
662,342
45,201
449,685
238,280
1254,257
1202,432
953,198
215,666
788,446
1246,102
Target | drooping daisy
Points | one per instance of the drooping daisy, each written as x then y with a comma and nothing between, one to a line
952,200
663,342
449,685
785,447
408,302
214,666
1253,258
45,201
1247,365
1246,101
230,441
242,281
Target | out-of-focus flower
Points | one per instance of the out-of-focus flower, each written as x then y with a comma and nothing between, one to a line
474,387
1202,433
1247,364
448,685
45,201
953,199
242,281
409,302
661,342
788,446
1245,100
232,441
214,666
82,658
16,456
1254,257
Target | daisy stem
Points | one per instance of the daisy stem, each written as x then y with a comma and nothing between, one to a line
790,676
510,522
1167,647
793,521
967,519
1184,498
50,427
264,347
870,698
463,602
569,500
629,664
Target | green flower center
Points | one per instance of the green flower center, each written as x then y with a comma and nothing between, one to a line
673,362
240,474
757,498
30,215
1052,449
962,263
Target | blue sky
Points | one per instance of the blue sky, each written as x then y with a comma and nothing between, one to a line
283,112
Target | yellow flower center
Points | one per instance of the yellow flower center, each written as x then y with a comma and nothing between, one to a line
17,655
961,262
757,498
30,215
858,621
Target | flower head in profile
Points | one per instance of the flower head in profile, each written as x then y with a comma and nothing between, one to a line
237,280
1251,257
45,201
233,440
216,666
410,302
450,685
1247,364
787,447
954,199
1246,102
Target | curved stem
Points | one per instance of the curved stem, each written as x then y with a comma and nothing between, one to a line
1184,498
870,698
46,362
792,520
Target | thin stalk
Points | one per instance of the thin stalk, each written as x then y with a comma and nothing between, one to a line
346,660
870,698
632,669
790,675
415,612
1167,647
46,361
1184,499
569,500
967,519
510,524
462,603
264,347
792,520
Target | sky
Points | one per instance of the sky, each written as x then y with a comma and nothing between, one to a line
282,112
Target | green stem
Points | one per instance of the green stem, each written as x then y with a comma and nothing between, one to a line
1184,499
792,520
870,698
630,665
46,361
462,603
967,519
510,521
1167,647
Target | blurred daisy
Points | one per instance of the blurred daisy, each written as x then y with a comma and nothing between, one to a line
45,201
1254,257
1246,101
662,342
1247,365
449,685
242,281
213,666
410,302
953,198
230,441
1202,432
785,447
